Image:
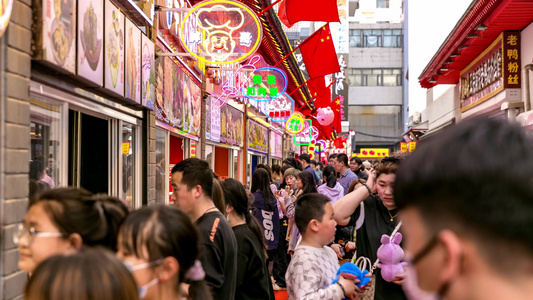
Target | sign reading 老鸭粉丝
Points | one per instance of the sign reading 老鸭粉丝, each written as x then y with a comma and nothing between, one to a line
494,70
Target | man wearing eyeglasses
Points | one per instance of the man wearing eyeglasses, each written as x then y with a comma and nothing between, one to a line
468,228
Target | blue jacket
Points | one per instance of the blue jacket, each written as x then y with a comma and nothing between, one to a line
268,218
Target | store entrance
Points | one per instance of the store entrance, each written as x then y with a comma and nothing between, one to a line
88,152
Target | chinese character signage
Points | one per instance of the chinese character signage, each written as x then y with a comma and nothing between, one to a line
403,146
265,84
412,146
295,123
496,69
373,152
280,109
340,87
257,137
213,125
341,31
304,137
228,31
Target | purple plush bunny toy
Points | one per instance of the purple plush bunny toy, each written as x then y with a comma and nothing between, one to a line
390,255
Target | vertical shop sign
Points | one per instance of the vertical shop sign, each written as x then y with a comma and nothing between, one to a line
215,122
511,59
90,40
304,137
114,49
276,144
403,147
340,86
412,146
340,31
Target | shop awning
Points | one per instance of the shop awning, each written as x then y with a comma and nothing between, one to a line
481,24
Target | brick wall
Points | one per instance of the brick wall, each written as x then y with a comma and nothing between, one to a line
15,67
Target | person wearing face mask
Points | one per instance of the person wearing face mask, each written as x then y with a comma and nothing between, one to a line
253,281
380,217
468,228
89,274
62,221
160,246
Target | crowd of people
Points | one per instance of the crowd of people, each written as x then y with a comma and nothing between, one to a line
296,226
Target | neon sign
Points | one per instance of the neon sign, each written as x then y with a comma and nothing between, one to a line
266,84
322,147
305,137
228,32
236,78
280,109
295,123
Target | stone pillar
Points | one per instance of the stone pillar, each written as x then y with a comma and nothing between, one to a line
15,66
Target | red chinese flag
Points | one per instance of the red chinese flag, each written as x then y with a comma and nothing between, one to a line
318,53
312,10
336,107
320,92
282,14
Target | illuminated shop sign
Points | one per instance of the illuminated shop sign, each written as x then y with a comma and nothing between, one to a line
494,70
373,152
305,137
280,109
295,123
266,84
227,32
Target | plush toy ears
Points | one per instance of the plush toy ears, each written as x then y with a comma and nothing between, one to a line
397,238
385,239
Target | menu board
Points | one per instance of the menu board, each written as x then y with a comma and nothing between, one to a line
213,114
232,126
276,144
257,137
133,62
114,49
59,33
90,60
178,98
147,72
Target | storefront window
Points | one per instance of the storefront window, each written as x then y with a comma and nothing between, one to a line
236,165
45,154
161,174
128,165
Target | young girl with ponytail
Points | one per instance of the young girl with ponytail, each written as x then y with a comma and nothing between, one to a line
253,281
160,246
331,188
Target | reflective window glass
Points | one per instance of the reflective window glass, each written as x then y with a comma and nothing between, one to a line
161,174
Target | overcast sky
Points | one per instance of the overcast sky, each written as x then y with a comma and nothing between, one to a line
430,22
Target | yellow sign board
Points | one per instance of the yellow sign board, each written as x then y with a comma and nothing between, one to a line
412,146
403,147
373,152
126,148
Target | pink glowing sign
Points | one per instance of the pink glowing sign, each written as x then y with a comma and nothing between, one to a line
280,109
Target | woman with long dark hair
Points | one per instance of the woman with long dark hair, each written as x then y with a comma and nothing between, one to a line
331,188
265,208
252,273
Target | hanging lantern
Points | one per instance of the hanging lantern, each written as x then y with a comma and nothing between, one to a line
325,116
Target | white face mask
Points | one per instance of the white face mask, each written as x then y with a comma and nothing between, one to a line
143,290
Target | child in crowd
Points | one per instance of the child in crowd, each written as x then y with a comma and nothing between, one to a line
89,274
314,265
160,245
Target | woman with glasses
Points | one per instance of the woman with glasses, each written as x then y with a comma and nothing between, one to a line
159,244
62,221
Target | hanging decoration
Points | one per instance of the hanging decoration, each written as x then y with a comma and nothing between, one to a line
325,116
